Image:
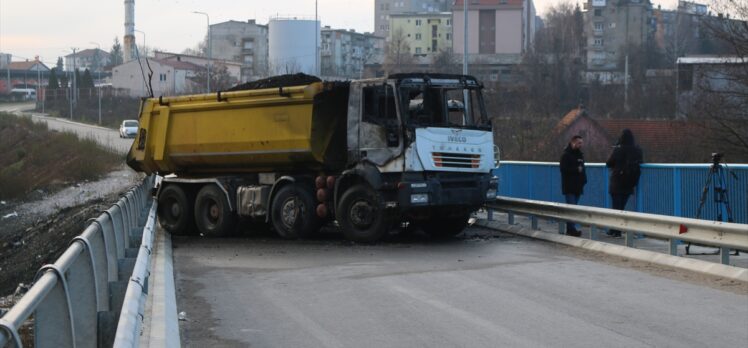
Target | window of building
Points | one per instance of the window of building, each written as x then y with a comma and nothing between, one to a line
249,59
598,42
418,36
449,36
418,22
248,44
449,22
598,12
418,50
162,77
599,26
685,77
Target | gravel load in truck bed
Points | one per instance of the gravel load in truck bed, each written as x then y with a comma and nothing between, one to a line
278,81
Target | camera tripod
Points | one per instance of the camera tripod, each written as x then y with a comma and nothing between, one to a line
716,180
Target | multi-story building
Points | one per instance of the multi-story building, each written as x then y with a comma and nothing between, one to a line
91,59
243,42
344,53
383,9
5,60
426,33
612,28
495,27
499,32
687,31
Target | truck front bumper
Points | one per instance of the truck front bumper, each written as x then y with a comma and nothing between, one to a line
463,191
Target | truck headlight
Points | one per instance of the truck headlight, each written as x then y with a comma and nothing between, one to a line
418,198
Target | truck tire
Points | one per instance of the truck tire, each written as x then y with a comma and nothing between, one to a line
213,216
445,227
293,213
361,214
175,211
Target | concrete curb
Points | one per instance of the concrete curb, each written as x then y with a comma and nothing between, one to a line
161,326
693,265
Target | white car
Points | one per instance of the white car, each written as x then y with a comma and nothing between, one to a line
128,129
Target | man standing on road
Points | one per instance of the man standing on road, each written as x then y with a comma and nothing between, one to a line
573,176
624,170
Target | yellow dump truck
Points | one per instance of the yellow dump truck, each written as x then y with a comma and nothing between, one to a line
367,153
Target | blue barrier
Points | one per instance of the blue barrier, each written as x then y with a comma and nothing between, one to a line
666,189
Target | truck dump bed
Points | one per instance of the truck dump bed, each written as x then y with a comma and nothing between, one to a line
244,131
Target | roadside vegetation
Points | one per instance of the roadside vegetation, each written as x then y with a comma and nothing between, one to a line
33,157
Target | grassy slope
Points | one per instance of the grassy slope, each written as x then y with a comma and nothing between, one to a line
33,157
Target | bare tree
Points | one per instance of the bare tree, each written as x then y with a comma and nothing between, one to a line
446,62
720,91
398,55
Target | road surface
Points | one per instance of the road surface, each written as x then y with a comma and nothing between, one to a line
108,138
484,290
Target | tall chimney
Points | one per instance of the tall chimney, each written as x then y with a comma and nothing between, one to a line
129,39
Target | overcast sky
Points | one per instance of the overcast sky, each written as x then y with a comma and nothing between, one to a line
49,28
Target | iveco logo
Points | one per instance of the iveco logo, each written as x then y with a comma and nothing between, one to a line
456,137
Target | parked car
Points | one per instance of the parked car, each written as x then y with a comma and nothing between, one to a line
128,129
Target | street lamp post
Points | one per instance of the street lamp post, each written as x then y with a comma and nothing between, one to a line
210,46
144,47
98,66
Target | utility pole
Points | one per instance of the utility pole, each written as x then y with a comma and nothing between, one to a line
210,46
316,44
98,66
71,88
626,84
465,94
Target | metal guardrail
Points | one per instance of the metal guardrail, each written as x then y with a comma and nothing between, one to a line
76,300
724,235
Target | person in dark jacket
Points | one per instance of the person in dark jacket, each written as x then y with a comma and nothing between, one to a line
623,166
573,176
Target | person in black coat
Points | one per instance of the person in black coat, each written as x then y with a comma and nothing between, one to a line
624,168
573,176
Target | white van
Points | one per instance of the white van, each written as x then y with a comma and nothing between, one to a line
22,94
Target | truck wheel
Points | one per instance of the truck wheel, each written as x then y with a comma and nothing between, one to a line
175,211
361,215
445,227
213,216
293,212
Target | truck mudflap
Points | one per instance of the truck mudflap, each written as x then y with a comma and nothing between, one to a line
466,191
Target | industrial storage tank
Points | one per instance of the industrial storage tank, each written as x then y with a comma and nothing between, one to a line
293,46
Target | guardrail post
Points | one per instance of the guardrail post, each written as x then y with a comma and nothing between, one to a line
594,233
534,222
489,213
510,219
629,238
673,246
724,255
561,227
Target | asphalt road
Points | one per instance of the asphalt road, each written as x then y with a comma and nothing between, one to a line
484,290
106,137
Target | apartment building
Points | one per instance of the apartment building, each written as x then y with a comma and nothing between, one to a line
611,28
383,9
242,42
426,33
495,27
91,59
344,53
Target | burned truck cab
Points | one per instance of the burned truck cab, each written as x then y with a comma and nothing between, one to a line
430,141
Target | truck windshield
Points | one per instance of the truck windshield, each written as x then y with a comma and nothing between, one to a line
443,106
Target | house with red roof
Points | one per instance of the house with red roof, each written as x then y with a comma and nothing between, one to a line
662,140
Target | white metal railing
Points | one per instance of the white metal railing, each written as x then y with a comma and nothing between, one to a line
724,235
75,300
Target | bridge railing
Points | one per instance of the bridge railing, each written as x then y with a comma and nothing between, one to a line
665,189
76,301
